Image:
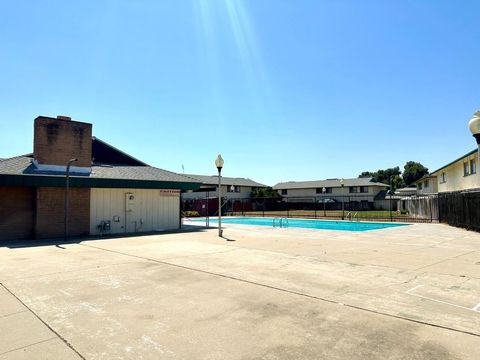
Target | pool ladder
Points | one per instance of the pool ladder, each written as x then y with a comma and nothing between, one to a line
352,216
282,222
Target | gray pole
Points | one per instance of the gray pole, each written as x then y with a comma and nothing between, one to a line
207,215
67,185
324,190
220,201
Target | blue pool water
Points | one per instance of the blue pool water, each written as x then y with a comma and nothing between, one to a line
306,223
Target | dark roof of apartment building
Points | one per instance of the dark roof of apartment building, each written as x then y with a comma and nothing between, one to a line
213,180
327,183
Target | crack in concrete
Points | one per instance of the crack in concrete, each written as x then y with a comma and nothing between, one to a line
14,313
447,259
44,322
26,346
292,292
68,271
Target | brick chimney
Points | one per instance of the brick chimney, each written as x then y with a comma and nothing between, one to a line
55,141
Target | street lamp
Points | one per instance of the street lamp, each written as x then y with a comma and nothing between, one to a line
474,126
219,164
389,193
324,190
343,199
232,200
67,185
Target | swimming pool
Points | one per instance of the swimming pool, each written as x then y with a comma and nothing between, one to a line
305,223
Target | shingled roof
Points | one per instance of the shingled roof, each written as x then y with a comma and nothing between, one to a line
21,171
213,180
327,183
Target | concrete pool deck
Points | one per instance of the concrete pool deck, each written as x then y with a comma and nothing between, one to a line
401,293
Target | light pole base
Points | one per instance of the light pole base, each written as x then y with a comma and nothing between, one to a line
220,232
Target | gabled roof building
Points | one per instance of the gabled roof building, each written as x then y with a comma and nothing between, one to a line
458,175
110,191
354,194
339,187
232,187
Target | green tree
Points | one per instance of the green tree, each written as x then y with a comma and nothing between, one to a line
412,171
366,174
262,193
390,176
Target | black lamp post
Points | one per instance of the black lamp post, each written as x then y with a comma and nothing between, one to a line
474,126
219,164
67,186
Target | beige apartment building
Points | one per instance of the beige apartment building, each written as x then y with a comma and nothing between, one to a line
331,188
232,187
353,194
458,175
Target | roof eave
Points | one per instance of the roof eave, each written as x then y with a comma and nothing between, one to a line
89,182
454,161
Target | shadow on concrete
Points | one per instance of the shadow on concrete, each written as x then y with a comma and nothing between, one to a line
226,238
58,242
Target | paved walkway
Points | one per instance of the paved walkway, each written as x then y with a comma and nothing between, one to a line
402,293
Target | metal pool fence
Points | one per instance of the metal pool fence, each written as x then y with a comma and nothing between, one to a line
461,208
352,207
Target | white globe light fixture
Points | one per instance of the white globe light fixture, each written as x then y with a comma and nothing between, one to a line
474,126
219,164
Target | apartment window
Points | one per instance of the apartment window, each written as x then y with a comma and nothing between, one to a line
473,166
320,190
364,189
233,189
419,186
328,190
353,189
284,191
443,177
426,183
466,168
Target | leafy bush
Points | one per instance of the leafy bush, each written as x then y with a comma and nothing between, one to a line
191,213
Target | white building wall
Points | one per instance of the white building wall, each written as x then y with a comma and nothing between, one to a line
337,192
455,179
150,210
432,187
243,194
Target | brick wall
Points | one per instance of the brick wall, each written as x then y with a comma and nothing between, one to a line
50,212
17,211
57,141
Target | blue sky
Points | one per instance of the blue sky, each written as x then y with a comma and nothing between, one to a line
284,90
